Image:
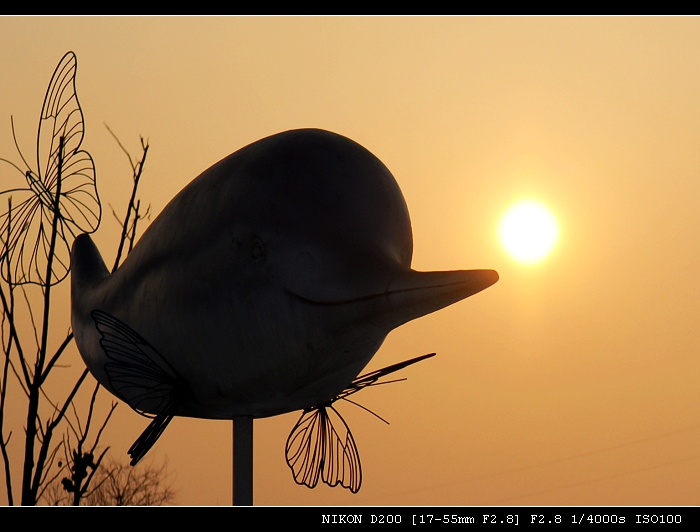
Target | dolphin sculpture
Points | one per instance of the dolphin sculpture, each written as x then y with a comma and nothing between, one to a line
265,286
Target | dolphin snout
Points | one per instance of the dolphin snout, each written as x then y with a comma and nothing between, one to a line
413,294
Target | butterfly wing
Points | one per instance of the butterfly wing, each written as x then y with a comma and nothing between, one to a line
62,118
148,438
343,459
137,373
321,445
17,246
62,126
305,449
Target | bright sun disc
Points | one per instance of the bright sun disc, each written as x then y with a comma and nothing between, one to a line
528,231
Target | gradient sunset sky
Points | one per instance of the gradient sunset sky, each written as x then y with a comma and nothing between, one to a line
571,381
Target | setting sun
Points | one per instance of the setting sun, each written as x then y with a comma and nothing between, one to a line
528,231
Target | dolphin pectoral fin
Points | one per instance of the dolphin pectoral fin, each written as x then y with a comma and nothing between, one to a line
148,437
136,372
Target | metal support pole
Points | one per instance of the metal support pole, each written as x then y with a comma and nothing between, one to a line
243,461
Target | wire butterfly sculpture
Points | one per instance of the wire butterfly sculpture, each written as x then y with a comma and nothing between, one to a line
321,444
59,197
141,377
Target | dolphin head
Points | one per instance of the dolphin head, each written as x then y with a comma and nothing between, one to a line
272,279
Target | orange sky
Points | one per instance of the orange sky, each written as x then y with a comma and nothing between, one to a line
572,381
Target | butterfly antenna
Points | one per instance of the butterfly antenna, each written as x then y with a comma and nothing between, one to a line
370,379
14,138
14,165
387,382
378,374
367,409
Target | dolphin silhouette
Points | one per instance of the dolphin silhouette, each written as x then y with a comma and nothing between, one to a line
265,286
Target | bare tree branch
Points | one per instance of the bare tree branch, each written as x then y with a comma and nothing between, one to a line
3,441
9,312
56,356
137,171
31,316
47,439
123,485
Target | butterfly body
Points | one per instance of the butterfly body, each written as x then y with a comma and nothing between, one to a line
270,281
42,193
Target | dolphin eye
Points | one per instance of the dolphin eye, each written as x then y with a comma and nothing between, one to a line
258,251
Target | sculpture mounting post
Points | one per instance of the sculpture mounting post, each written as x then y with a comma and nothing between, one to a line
242,461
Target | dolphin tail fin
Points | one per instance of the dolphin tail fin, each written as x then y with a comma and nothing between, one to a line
87,266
